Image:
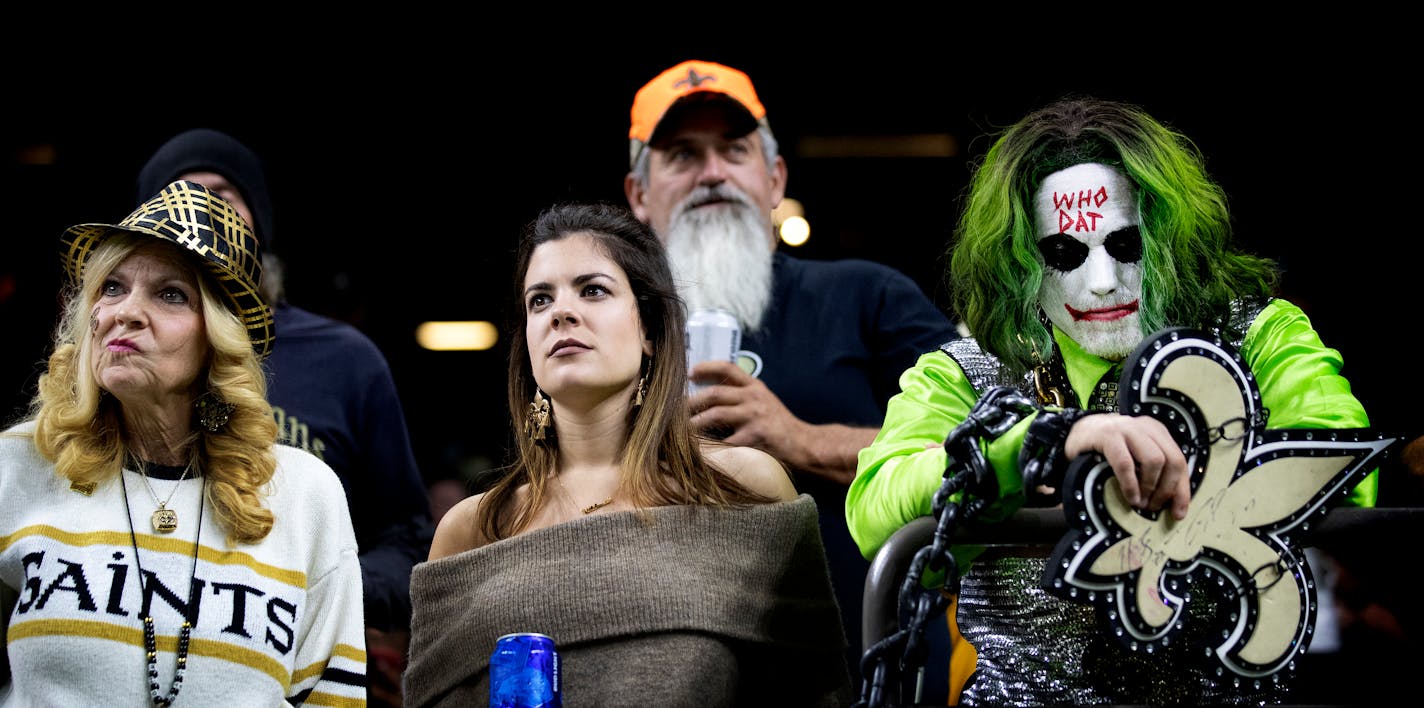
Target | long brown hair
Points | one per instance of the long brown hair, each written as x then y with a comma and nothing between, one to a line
662,458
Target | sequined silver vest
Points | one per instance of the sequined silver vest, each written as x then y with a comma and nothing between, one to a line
1037,649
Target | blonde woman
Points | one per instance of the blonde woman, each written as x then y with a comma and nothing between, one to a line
155,542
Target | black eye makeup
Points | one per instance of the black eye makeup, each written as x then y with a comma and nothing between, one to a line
1125,245
1062,252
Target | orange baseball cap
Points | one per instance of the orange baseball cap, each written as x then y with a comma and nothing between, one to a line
653,101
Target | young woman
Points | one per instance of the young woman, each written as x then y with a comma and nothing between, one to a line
665,566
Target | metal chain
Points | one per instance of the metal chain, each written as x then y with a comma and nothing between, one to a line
890,664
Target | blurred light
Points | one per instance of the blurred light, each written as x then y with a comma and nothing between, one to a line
923,145
786,209
456,336
41,154
789,219
795,230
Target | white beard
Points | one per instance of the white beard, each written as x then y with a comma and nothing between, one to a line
720,257
1110,340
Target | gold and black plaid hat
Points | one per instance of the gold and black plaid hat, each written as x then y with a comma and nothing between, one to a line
191,216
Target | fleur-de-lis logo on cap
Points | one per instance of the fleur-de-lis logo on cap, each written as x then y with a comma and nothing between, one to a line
694,79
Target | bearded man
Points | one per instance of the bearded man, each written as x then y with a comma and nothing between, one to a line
823,342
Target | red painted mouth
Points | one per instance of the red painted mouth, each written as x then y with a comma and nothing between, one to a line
1102,314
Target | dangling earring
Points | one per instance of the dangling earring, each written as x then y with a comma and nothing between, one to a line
213,412
642,391
537,424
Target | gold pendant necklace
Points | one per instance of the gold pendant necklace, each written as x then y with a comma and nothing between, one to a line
568,494
588,509
597,505
164,520
190,610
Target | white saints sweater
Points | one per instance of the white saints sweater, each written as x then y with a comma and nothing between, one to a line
278,623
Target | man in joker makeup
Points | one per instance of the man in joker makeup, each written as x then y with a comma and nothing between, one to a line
1088,226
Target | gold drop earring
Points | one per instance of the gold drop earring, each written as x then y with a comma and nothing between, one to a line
641,392
537,424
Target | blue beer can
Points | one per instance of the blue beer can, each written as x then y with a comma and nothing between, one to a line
524,672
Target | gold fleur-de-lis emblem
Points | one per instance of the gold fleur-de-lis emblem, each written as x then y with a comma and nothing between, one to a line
1254,490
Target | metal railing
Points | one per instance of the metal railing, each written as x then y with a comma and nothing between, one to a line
1340,527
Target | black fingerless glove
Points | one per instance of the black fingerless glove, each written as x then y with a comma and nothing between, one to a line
1041,458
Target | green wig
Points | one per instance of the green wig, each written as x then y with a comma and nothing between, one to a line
1191,275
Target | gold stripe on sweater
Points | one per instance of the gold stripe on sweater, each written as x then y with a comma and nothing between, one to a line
160,544
231,653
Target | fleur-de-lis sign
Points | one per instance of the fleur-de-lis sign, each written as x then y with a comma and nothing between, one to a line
1254,491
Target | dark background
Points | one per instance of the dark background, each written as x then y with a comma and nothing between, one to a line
402,176
406,146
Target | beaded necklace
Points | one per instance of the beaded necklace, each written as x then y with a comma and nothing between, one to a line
150,641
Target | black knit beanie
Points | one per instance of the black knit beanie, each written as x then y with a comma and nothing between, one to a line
206,150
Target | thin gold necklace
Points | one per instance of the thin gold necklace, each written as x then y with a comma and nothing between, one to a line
597,505
587,509
164,520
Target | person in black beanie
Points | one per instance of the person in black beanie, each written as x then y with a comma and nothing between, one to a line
333,394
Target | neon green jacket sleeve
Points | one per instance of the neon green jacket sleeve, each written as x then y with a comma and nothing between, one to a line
1300,382
898,474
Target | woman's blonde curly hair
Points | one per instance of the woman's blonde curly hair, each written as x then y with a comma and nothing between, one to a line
79,427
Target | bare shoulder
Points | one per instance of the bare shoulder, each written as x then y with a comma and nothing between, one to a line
756,469
457,531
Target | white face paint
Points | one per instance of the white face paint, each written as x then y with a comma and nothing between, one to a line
1088,237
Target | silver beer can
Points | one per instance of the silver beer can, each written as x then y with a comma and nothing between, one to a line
711,334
